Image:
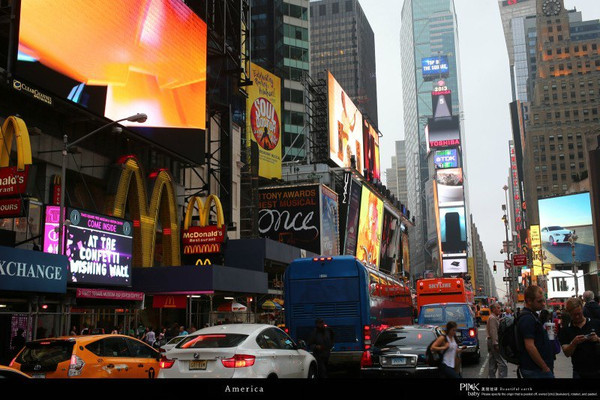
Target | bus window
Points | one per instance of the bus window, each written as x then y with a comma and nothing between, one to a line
433,316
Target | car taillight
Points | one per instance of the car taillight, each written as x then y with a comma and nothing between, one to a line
472,332
366,360
165,363
76,366
239,361
367,336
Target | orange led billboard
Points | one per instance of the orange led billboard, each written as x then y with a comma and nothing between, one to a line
369,228
117,58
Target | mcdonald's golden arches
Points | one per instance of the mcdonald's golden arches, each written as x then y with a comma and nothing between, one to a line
205,238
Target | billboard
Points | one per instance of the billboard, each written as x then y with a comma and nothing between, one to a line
442,133
353,214
292,215
371,150
454,265
263,124
51,227
453,230
369,227
561,284
99,249
450,189
330,232
117,59
441,103
390,241
345,127
443,159
564,219
435,67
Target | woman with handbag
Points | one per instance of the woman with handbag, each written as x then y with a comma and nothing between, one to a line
447,345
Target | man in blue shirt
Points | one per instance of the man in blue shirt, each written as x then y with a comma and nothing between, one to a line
537,359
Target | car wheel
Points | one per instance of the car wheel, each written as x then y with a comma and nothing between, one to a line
312,372
551,241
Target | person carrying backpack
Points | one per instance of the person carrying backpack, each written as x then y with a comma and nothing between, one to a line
536,360
447,345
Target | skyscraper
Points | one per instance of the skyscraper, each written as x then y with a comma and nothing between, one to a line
428,30
396,175
343,42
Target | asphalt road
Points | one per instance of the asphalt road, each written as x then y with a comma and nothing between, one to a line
584,248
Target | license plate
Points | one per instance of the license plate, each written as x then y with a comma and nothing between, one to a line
198,365
458,334
39,376
399,361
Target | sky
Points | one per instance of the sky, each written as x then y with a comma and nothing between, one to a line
486,94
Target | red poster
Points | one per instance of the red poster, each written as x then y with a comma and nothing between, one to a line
11,208
203,239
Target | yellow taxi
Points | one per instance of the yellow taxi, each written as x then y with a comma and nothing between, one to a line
484,314
94,356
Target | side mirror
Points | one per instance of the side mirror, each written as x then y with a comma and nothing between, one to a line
302,345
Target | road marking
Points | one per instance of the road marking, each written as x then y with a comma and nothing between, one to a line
487,359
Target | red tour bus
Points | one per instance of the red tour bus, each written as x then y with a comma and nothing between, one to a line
443,290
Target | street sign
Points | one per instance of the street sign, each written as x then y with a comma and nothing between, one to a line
520,260
507,264
509,279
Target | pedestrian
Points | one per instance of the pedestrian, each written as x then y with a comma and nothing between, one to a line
182,331
518,312
18,341
591,308
73,331
537,359
447,345
150,336
496,362
320,343
193,329
581,342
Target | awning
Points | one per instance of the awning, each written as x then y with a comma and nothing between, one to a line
271,305
232,306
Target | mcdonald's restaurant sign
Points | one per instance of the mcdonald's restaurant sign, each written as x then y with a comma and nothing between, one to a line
204,239
169,301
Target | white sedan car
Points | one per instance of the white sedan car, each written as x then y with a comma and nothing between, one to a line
556,235
238,351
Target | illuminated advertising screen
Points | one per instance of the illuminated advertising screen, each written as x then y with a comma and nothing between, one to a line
119,58
369,228
291,215
330,233
99,249
563,220
442,133
371,141
435,67
442,104
263,108
351,236
390,241
454,265
51,226
345,127
446,159
453,229
561,284
450,189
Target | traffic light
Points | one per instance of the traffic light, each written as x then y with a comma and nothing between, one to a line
494,267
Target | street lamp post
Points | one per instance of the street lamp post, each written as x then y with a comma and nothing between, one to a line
572,240
510,269
140,118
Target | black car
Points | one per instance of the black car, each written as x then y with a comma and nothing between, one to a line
400,351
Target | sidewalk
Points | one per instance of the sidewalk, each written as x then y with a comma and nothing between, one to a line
562,367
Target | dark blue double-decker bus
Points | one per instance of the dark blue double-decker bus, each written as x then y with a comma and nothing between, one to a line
354,300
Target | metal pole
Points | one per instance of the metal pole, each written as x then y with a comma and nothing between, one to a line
574,269
63,178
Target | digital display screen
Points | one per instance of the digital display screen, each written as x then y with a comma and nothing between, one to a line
51,227
446,159
566,225
444,132
369,228
345,127
371,141
453,229
450,189
119,58
435,67
454,265
99,249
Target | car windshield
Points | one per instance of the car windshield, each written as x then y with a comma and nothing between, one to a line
555,228
46,352
211,341
411,338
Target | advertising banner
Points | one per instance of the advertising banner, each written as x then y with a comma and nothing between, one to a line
390,241
450,190
105,294
566,226
345,127
291,215
435,67
371,143
146,57
99,249
442,133
405,253
353,214
516,190
369,228
330,233
11,207
51,226
263,108
561,284
12,181
443,159
453,230
454,265
442,104
32,271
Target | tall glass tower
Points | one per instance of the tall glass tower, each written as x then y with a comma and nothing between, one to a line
428,29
